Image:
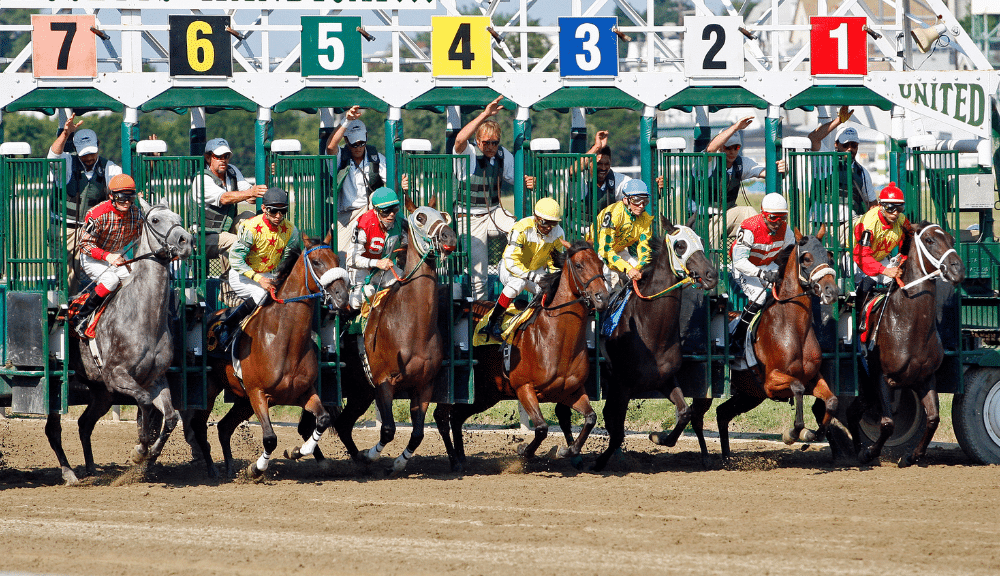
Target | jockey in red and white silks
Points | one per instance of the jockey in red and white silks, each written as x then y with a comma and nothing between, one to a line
378,232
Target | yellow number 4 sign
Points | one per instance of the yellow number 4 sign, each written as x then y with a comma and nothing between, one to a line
460,46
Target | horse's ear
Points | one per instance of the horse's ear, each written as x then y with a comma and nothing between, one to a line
408,202
798,235
667,225
821,232
565,243
144,205
447,218
433,203
328,239
691,220
306,239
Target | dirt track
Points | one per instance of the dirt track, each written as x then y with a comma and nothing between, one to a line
774,510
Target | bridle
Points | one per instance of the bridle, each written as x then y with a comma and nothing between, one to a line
428,244
585,295
321,282
678,263
808,283
924,255
167,250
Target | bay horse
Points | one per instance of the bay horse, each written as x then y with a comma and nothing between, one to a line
907,350
644,351
276,354
402,340
788,352
548,358
135,346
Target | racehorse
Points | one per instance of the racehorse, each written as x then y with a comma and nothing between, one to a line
908,349
403,342
548,358
276,355
787,350
134,344
645,348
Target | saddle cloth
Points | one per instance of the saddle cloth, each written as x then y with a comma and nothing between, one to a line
358,323
513,320
749,356
615,308
865,329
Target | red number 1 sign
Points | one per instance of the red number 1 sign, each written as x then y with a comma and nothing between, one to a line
839,45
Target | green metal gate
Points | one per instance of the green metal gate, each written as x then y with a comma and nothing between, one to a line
35,369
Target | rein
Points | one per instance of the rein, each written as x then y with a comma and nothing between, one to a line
818,272
922,254
661,293
677,263
310,272
585,296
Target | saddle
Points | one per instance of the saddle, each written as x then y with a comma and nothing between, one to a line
866,330
75,306
749,356
517,317
212,337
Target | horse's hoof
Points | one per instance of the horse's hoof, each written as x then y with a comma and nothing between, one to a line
661,439
139,455
567,452
253,472
865,456
907,461
787,437
808,436
577,462
213,473
521,449
457,468
399,464
295,454
69,478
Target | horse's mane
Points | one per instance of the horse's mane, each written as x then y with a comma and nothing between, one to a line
549,283
285,267
657,248
782,258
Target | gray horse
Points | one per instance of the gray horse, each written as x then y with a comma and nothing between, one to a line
135,346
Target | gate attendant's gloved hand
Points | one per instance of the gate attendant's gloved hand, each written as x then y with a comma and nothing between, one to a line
769,276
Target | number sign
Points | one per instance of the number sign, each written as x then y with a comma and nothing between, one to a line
839,45
63,45
588,47
331,46
713,46
460,46
200,46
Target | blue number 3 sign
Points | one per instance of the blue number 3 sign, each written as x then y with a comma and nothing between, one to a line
588,47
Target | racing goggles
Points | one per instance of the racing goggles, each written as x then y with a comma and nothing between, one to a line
892,208
639,200
775,218
123,197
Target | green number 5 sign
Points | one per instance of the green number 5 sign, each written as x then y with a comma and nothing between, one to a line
331,46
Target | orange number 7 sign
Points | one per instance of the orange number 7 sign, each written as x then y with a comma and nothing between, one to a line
63,45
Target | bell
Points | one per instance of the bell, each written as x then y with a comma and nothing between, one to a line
925,37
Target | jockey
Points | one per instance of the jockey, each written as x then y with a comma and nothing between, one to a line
527,257
108,230
624,224
758,242
377,234
262,242
877,236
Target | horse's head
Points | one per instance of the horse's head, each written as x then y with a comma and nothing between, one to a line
587,271
163,233
430,230
325,272
687,255
935,252
815,270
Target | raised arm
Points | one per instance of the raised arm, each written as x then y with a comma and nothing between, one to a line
469,130
68,128
824,130
352,114
722,137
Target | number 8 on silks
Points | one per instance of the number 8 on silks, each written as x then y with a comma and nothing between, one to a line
588,47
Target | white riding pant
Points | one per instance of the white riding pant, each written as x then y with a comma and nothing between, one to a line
496,222
752,285
513,285
103,273
612,275
361,291
247,288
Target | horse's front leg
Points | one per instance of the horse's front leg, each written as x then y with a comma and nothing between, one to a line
529,399
822,391
565,417
100,403
259,403
53,431
582,405
886,424
931,407
163,402
683,418
418,413
315,407
383,403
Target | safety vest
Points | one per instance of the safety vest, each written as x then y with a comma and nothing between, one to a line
733,182
220,218
487,179
852,187
82,193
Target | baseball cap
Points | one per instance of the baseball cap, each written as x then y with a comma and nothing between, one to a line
848,134
734,140
218,146
85,142
356,131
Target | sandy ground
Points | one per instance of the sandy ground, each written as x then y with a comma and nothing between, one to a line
772,510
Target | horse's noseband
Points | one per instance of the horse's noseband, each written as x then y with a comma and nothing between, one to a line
167,250
322,282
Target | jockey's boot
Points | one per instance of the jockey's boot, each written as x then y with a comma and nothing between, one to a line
79,320
492,328
739,335
230,324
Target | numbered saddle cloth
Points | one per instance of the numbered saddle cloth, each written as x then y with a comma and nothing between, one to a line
513,320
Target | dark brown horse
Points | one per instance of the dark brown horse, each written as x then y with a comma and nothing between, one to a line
788,352
645,348
403,341
277,356
548,359
908,350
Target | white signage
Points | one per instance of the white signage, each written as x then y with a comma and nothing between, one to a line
713,47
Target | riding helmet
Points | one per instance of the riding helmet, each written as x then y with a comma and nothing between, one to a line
122,183
891,194
635,187
774,203
384,198
548,209
275,197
